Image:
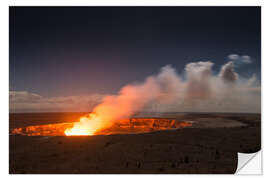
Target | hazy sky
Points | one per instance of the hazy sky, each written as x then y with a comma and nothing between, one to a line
96,50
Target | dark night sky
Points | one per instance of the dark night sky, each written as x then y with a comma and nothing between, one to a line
84,50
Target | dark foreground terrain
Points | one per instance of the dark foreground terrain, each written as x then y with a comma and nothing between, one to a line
209,146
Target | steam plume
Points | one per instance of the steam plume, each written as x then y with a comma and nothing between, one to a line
200,90
131,98
198,79
227,73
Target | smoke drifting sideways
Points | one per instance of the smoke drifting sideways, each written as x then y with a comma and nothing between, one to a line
201,90
198,88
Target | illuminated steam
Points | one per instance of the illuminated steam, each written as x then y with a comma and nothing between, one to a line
198,88
168,88
227,73
198,80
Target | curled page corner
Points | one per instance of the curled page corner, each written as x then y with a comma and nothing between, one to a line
249,163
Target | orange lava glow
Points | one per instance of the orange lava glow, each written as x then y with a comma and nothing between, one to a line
87,126
92,125
43,130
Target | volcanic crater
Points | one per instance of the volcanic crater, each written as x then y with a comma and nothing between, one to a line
125,126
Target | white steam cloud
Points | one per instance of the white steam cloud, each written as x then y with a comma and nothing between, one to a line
200,91
227,73
198,80
162,88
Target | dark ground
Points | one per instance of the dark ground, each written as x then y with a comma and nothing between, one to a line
209,146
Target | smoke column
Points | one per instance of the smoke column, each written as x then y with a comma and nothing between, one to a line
131,98
168,88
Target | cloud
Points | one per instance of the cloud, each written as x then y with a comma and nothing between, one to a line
233,57
201,91
23,101
245,59
24,96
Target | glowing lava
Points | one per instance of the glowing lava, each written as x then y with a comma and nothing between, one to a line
93,125
87,126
